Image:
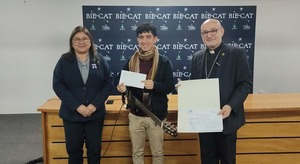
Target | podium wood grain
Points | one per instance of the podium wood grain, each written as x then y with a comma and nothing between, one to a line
271,134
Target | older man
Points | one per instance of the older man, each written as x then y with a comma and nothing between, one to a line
230,65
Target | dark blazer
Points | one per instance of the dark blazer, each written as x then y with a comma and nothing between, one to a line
69,87
235,82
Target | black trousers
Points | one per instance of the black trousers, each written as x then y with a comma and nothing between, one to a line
218,148
78,133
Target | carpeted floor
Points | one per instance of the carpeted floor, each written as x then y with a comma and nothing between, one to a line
20,138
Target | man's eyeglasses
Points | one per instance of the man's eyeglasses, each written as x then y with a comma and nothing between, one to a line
212,32
78,40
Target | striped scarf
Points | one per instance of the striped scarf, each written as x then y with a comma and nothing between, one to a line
134,63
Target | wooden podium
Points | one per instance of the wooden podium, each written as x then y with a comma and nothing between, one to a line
271,134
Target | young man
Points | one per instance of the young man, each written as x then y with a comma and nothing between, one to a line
230,65
158,84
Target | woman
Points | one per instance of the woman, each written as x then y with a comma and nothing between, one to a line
83,81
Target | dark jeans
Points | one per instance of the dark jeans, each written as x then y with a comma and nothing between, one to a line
78,133
218,147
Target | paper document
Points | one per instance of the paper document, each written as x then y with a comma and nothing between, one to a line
132,79
198,106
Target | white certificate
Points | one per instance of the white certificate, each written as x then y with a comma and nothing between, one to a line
132,79
198,106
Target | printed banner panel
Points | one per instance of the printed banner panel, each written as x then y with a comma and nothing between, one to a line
178,27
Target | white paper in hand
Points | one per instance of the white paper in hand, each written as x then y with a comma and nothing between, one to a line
132,79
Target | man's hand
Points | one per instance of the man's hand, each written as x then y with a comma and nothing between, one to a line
225,111
178,83
121,87
149,84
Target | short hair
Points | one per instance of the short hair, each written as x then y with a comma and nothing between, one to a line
146,27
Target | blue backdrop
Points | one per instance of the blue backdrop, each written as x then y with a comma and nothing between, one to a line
178,28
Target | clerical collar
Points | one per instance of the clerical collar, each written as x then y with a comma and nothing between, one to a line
215,50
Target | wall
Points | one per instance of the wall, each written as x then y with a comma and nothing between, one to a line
34,33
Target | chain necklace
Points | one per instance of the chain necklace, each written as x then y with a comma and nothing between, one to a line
213,64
